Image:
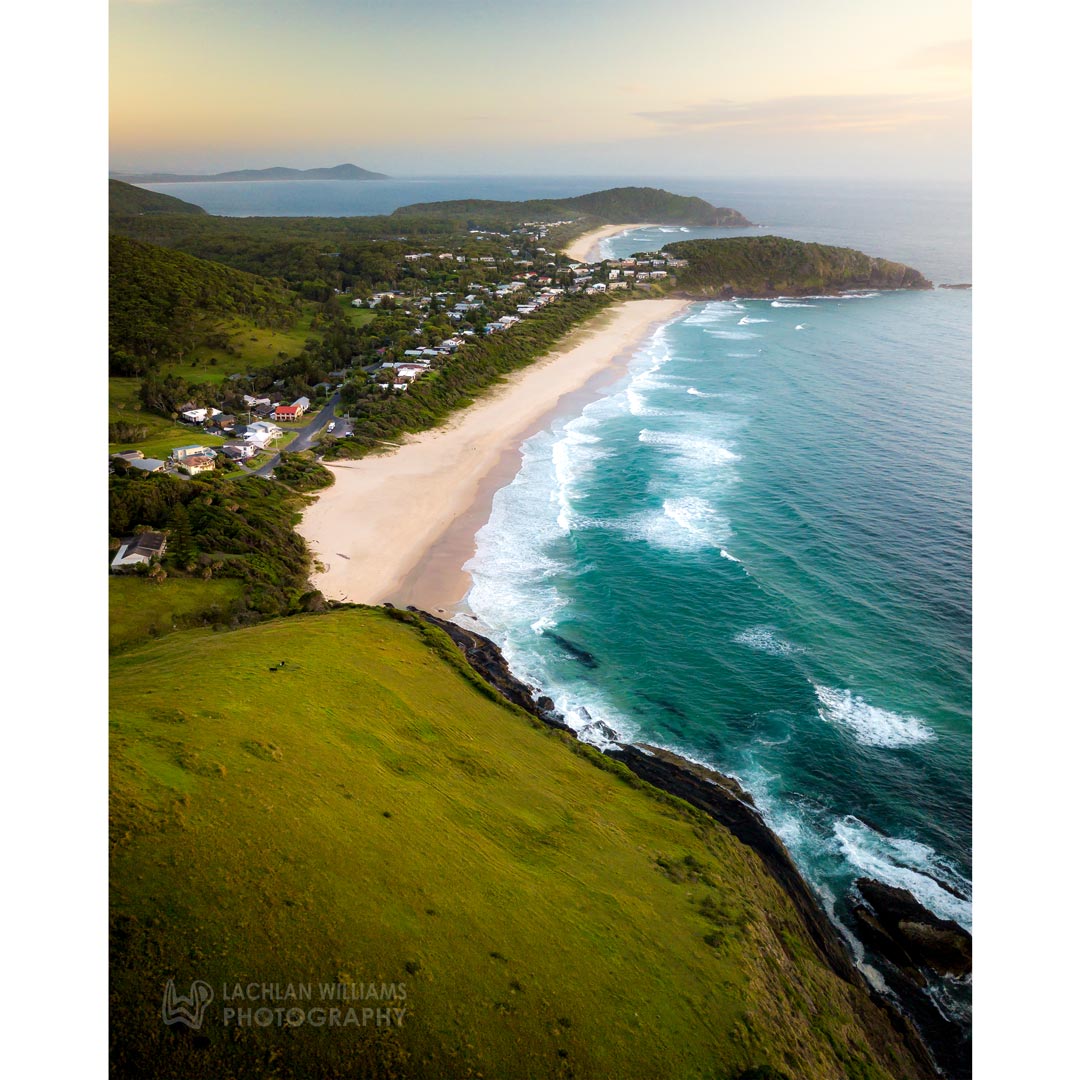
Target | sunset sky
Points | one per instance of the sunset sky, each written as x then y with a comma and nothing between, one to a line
553,87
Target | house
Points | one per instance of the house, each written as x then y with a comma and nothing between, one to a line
197,463
181,453
147,464
199,416
302,404
139,550
223,422
238,451
260,433
286,412
127,455
251,401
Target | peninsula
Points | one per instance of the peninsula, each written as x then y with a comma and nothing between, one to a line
278,172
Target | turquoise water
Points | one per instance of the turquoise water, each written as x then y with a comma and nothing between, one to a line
756,551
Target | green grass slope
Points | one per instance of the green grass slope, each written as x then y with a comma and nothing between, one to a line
166,305
127,199
372,813
770,265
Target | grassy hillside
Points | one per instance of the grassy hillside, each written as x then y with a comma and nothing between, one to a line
767,265
126,199
140,609
164,305
371,813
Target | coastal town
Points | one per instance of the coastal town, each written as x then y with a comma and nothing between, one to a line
445,305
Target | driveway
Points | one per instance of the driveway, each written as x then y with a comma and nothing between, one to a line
306,436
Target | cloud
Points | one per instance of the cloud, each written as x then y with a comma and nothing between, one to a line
812,112
949,54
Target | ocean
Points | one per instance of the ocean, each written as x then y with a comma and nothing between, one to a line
755,549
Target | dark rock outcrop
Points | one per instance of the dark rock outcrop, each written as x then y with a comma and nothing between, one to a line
908,935
489,663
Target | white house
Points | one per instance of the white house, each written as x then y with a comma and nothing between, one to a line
140,550
198,416
180,453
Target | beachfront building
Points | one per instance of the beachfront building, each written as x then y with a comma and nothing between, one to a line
139,550
286,412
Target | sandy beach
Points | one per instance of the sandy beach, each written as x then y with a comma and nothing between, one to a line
400,526
587,248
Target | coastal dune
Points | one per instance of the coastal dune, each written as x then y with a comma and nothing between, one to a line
586,248
400,526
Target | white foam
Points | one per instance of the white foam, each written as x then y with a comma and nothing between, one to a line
733,335
789,303
686,524
871,725
905,864
694,450
714,311
801,326
746,320
765,639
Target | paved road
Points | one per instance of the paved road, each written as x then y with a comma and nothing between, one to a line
307,435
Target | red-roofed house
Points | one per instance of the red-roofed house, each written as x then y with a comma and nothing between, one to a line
287,412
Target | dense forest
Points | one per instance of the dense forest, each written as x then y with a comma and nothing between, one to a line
614,206
126,199
163,304
316,254
773,265
220,527
387,414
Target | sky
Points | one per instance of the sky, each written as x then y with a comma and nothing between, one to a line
690,88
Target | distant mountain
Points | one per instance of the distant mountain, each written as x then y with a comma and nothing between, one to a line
612,206
126,200
337,172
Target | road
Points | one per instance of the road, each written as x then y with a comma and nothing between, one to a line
306,436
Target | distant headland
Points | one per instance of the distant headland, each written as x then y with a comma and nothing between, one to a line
279,172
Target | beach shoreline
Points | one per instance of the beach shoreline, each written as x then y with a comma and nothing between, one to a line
400,526
586,248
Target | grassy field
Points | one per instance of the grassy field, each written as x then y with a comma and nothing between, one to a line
372,813
254,348
357,316
162,435
140,610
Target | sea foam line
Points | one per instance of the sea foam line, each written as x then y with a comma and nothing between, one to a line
871,725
